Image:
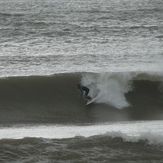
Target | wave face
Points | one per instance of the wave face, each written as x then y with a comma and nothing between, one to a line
57,98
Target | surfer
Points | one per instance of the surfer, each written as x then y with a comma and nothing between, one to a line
84,91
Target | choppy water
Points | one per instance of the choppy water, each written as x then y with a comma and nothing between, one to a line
121,142
47,37
114,47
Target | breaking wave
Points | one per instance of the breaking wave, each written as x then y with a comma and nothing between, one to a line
56,98
102,148
128,131
110,88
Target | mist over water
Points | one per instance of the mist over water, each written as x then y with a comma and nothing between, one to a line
113,47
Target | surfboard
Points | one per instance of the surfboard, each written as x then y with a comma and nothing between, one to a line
90,101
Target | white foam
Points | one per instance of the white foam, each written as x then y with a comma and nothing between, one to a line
129,131
110,88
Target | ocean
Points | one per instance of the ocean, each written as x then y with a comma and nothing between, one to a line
112,47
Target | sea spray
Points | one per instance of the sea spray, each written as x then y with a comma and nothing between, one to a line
109,88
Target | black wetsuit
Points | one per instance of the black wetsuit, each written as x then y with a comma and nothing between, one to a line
84,90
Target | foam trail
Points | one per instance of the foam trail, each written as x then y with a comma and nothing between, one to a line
133,131
109,88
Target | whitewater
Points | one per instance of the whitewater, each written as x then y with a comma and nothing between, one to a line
114,48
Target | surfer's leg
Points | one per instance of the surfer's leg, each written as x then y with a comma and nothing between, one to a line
80,87
88,98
